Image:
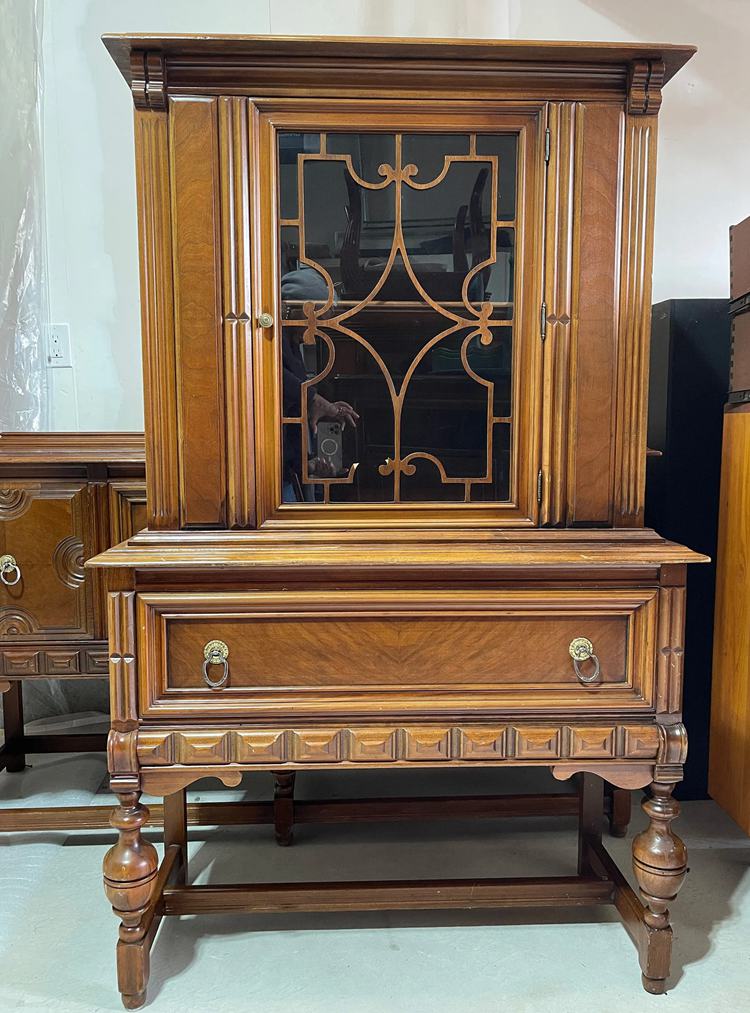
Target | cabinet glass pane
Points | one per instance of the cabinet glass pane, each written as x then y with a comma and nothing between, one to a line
396,269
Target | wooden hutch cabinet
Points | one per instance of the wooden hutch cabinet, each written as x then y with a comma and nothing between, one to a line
396,302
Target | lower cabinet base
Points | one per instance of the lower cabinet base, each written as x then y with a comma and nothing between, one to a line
142,890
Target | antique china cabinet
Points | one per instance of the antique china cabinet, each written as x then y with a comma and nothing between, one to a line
396,301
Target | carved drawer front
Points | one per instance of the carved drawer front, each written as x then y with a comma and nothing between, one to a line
393,654
44,529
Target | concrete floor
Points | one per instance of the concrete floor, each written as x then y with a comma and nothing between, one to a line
57,934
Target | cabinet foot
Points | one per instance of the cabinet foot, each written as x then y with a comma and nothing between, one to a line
656,986
134,1001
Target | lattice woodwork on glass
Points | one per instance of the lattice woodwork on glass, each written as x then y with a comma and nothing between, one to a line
319,318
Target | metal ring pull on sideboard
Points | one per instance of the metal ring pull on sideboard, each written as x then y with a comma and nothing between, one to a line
8,567
581,649
215,652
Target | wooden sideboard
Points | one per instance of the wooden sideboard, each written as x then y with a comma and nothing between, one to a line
395,306
63,497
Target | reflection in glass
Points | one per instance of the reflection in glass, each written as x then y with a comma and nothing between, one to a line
397,290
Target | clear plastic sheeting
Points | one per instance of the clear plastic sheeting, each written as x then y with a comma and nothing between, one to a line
22,280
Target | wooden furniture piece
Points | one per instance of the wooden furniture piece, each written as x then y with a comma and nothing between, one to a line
690,344
729,755
403,526
63,498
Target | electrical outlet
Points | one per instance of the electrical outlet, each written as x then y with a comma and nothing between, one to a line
58,346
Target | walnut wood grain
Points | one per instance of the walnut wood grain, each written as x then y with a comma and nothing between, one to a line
594,331
194,157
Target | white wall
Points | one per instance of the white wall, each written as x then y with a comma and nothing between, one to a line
704,183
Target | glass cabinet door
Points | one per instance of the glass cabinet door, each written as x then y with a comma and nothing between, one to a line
398,270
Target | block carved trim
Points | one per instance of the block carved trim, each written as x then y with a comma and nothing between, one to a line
394,744
54,662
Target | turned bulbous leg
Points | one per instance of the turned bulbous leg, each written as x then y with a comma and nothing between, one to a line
283,807
660,865
130,867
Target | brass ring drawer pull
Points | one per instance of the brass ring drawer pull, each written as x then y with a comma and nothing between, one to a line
10,571
581,649
216,652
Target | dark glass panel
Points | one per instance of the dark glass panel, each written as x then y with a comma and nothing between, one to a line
447,230
498,490
428,151
455,386
498,278
290,146
368,152
504,146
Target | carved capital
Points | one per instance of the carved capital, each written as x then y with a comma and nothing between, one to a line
673,746
645,80
149,80
122,755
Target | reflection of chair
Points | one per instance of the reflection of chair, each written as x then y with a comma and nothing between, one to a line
358,280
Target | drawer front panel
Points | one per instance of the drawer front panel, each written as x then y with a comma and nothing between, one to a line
394,653
45,526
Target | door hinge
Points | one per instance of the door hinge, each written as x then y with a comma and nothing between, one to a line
543,321
547,144
539,485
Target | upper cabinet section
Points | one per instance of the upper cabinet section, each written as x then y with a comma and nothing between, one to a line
394,282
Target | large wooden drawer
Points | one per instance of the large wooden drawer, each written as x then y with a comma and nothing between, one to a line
383,655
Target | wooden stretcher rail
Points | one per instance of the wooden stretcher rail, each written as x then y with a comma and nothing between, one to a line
401,895
203,814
